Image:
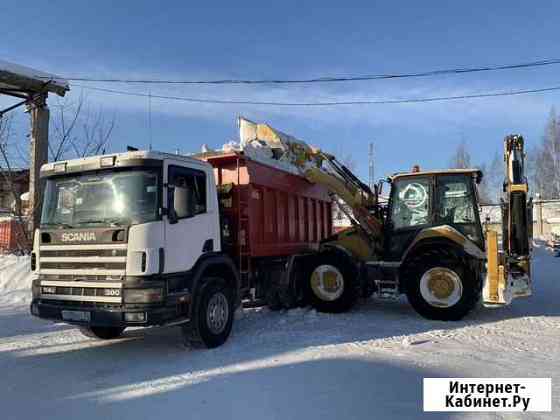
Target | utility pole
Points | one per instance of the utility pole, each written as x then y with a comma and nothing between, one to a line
33,86
371,167
39,154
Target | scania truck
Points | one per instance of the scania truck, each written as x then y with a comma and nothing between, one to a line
146,238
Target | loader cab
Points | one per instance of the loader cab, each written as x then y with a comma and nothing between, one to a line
420,201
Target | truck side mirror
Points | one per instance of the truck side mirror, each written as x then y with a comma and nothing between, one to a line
183,202
172,216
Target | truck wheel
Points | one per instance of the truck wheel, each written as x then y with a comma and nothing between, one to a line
273,300
332,284
212,316
442,289
103,333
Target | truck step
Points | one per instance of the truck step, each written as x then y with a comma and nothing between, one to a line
387,289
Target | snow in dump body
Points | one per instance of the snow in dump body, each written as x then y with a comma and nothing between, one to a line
266,145
14,75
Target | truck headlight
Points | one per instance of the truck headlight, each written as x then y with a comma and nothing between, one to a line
48,290
143,295
36,288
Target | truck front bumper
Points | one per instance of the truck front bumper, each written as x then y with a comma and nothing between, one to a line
133,302
123,315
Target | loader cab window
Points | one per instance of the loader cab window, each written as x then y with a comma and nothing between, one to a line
186,191
411,202
457,205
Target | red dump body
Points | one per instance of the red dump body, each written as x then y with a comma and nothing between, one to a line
270,212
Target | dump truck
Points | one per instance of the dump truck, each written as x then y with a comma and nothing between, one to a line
145,238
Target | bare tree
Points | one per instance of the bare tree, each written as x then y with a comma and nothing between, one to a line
489,187
546,163
77,130
494,175
63,122
96,130
8,178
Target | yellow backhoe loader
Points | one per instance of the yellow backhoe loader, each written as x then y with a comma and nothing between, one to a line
428,242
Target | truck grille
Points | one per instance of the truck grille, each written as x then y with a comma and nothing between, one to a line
81,291
83,253
82,273
83,260
49,264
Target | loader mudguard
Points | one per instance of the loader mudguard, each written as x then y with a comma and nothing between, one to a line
446,233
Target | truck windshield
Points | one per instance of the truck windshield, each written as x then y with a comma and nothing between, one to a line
101,198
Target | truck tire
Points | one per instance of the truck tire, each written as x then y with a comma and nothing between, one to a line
332,284
273,300
212,315
441,287
102,333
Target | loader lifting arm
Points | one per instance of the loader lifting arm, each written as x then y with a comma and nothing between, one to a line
509,271
335,176
343,183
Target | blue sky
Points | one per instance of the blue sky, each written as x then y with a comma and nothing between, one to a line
208,40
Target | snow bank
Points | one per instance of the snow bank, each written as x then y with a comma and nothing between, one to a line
15,280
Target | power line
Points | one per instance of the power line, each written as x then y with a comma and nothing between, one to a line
331,103
327,79
150,117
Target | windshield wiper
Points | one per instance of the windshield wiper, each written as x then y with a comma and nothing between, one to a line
59,225
114,222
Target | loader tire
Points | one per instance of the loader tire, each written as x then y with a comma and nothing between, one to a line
442,286
212,315
332,284
102,333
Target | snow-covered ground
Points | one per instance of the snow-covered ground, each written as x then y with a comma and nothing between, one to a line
368,363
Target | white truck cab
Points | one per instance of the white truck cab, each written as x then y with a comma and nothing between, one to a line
133,239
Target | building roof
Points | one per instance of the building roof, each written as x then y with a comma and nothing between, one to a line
14,77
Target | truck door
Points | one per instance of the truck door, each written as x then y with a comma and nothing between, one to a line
189,226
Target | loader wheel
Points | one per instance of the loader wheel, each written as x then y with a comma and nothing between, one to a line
442,288
102,333
212,316
332,284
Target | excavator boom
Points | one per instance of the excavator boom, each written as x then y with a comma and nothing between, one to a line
509,271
